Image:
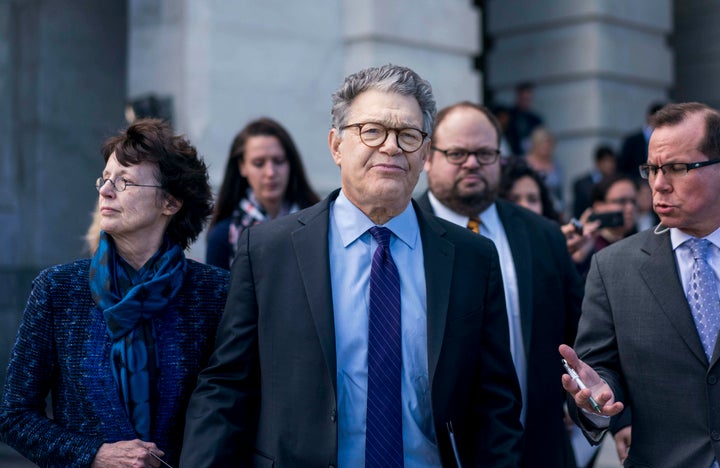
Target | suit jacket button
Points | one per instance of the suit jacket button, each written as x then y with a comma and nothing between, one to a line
333,416
712,380
715,435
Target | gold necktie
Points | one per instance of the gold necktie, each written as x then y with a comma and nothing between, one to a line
474,225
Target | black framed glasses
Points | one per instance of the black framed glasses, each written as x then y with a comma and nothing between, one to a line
119,184
484,156
676,169
374,134
622,201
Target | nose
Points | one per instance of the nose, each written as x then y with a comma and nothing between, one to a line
660,183
106,189
391,145
472,160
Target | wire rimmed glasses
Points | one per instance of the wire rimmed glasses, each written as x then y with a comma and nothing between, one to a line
119,184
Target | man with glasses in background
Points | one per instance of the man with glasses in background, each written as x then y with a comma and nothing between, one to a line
651,314
542,289
360,331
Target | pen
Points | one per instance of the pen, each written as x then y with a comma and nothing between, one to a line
574,375
160,459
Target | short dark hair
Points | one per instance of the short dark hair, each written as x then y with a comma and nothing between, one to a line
182,174
604,151
600,190
524,86
674,114
234,185
470,105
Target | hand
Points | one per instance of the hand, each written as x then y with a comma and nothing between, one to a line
622,442
596,387
130,453
580,245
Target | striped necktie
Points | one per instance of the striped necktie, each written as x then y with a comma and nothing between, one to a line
383,439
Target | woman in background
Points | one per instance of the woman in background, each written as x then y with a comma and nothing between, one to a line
541,158
521,184
118,340
264,179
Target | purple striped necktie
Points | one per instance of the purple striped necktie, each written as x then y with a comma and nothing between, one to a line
383,443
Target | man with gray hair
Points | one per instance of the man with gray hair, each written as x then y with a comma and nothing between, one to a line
360,331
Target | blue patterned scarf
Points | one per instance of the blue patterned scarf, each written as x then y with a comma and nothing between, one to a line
128,301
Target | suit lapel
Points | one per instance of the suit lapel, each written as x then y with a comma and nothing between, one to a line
669,294
520,248
438,258
311,251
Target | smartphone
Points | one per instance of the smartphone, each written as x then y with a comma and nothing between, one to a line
610,219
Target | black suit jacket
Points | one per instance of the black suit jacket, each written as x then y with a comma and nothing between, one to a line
634,152
582,194
550,294
269,393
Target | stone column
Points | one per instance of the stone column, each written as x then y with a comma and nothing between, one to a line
596,64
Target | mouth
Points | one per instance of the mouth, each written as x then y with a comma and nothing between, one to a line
392,168
662,208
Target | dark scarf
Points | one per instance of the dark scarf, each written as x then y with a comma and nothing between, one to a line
129,300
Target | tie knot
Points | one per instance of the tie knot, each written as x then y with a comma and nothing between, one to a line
381,235
474,224
698,247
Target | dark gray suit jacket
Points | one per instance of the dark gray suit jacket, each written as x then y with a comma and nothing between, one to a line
269,393
637,331
550,293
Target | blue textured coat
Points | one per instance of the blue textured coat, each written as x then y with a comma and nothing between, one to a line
62,347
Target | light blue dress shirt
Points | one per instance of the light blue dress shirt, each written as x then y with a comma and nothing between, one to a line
351,249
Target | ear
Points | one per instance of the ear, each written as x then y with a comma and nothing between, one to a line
171,205
334,140
428,157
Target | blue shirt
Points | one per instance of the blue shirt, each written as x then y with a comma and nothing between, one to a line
351,249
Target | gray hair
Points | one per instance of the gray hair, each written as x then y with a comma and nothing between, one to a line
387,78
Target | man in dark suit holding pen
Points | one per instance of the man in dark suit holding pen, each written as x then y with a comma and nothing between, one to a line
651,313
360,303
542,289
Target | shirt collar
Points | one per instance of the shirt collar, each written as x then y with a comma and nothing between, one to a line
677,237
489,218
352,223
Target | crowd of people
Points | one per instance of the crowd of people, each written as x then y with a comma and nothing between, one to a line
373,329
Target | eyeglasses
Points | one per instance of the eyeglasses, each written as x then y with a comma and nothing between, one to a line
119,184
374,135
622,201
484,156
648,171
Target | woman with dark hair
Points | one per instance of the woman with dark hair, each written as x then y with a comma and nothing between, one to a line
522,185
118,340
264,179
